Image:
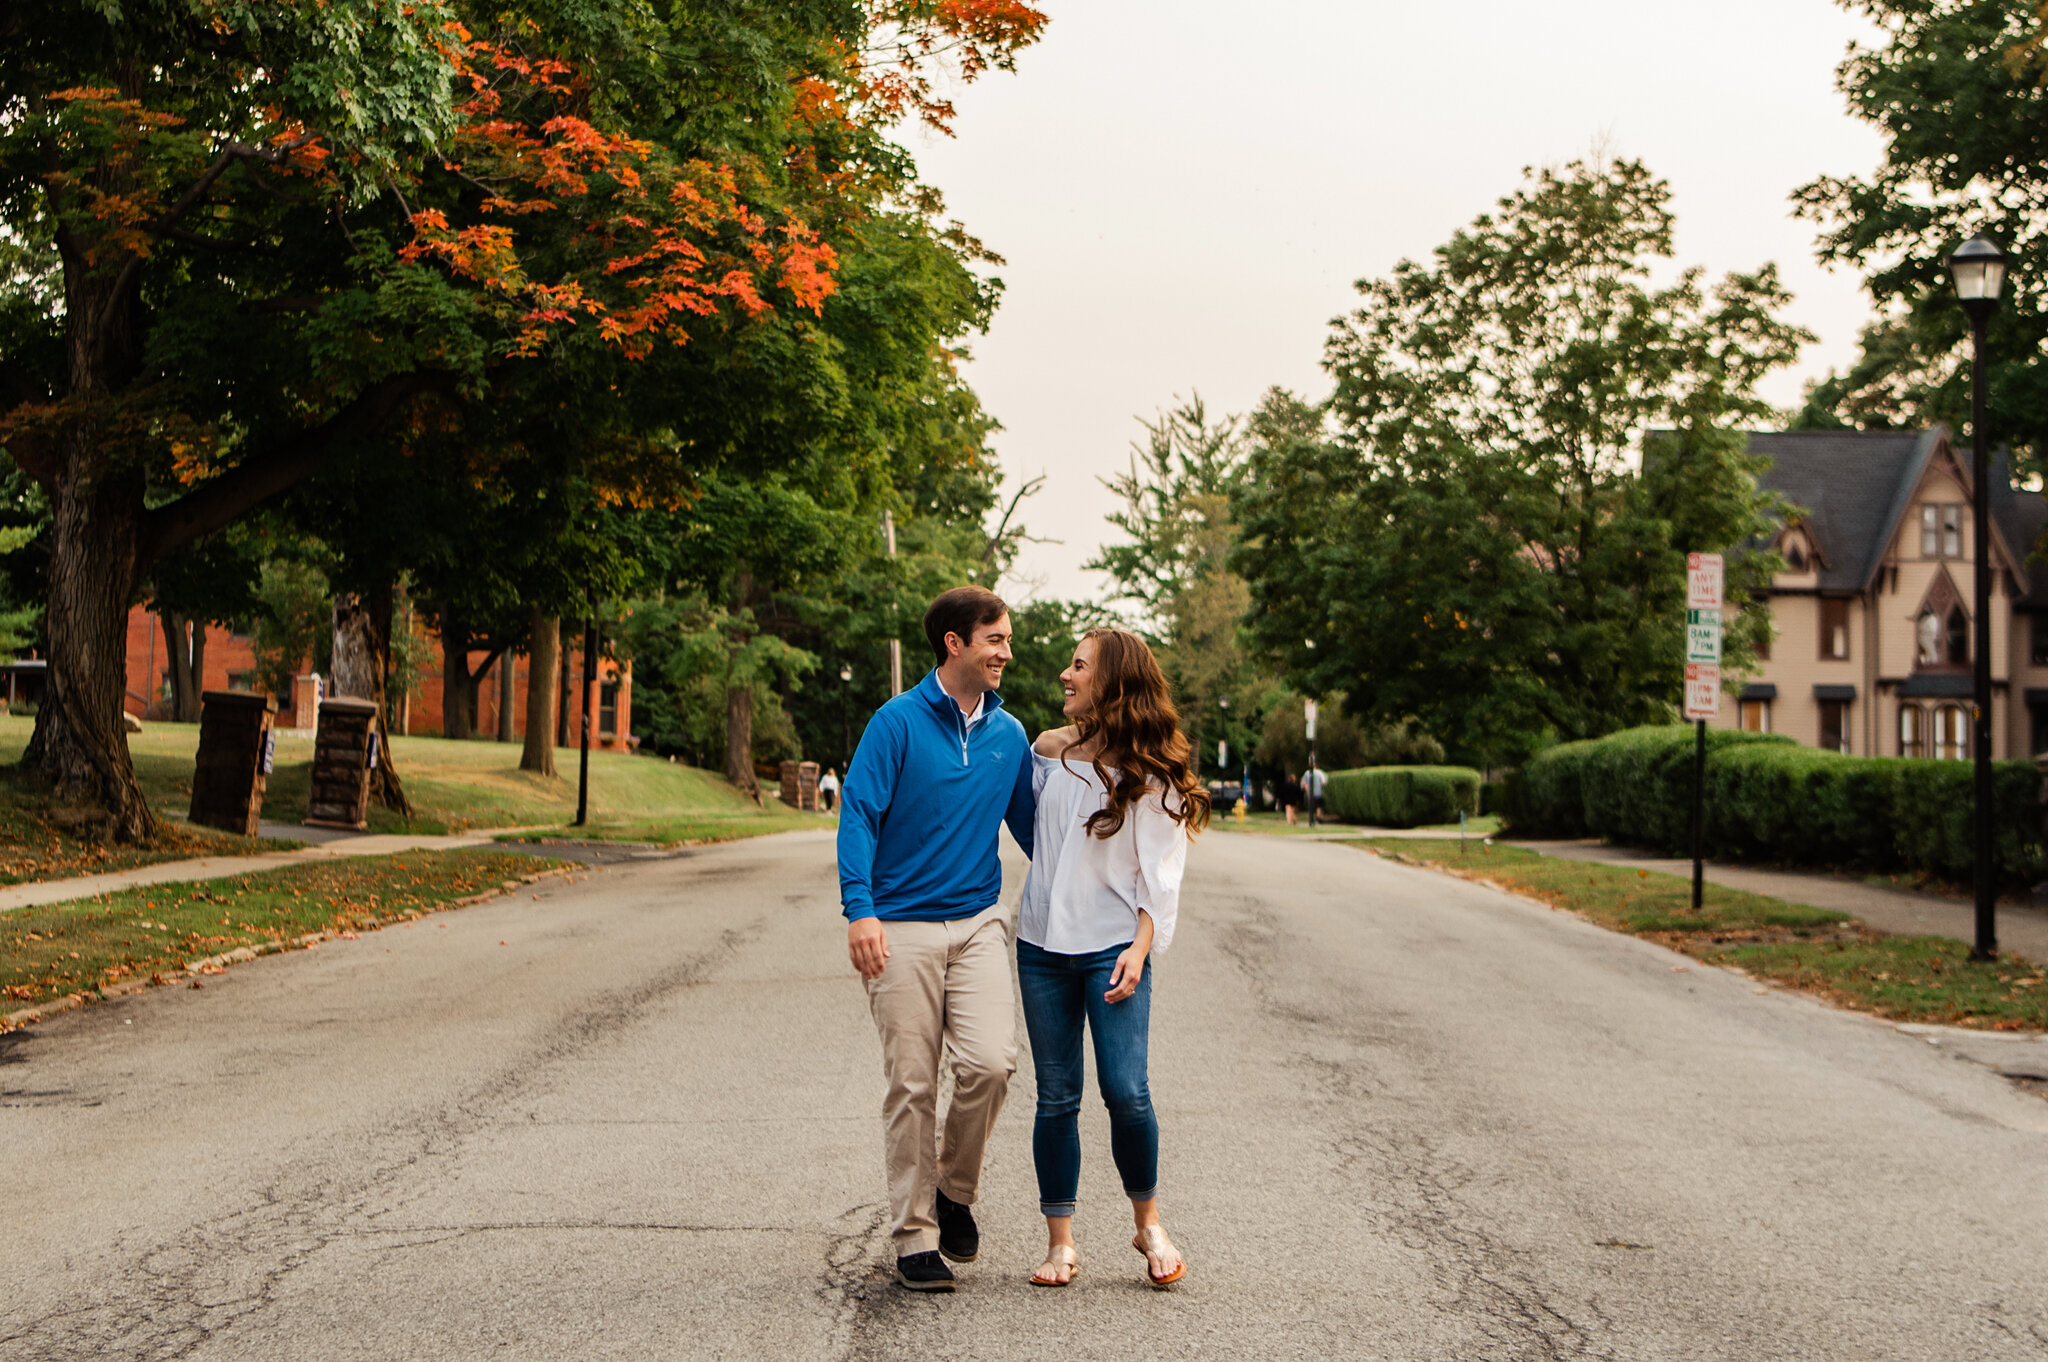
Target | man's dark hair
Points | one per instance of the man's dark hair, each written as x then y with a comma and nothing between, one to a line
961,611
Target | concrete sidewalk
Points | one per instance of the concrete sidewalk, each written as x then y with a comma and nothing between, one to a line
221,867
2021,930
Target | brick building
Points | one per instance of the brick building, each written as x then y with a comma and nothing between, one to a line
230,664
1873,613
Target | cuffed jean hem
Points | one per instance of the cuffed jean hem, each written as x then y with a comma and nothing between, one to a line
1056,1210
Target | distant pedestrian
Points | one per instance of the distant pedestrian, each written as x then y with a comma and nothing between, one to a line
938,771
828,789
1117,807
1312,783
1290,794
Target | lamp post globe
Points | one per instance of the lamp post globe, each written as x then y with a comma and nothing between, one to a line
1978,270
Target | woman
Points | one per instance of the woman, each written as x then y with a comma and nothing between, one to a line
1117,805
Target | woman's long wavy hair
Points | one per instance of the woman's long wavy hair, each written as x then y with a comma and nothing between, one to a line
1138,729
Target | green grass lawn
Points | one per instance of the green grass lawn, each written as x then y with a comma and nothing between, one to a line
1906,978
454,787
81,947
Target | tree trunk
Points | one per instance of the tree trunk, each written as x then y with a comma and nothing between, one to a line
541,661
562,707
197,662
80,743
184,696
362,646
506,695
739,740
455,687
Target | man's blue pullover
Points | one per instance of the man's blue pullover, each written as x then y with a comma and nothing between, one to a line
923,799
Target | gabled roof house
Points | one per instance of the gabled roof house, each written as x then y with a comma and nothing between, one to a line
1872,614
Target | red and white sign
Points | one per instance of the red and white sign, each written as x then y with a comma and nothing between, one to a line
1702,690
1703,581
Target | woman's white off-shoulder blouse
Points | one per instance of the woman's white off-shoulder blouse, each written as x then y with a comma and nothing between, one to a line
1084,892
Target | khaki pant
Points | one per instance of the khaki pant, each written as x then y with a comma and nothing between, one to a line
945,983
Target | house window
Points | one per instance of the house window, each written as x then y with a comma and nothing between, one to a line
1834,630
2039,626
1756,716
1951,733
608,707
1941,530
2038,713
1795,555
1943,639
1834,725
1912,731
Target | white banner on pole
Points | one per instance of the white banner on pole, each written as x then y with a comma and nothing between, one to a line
1702,690
1308,714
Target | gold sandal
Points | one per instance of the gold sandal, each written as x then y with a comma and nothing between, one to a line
1150,1240
1058,1256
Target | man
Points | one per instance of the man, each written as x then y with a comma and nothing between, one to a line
939,768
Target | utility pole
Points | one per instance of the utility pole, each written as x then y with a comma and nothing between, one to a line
895,643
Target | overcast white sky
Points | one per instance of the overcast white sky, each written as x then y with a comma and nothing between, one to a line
1185,192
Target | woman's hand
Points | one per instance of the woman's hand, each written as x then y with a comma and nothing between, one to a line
1130,968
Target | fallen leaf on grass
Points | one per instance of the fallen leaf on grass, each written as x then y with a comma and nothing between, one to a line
1680,969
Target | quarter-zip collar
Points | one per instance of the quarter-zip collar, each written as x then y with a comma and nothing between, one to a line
948,708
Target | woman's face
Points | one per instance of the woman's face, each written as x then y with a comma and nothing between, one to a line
1078,680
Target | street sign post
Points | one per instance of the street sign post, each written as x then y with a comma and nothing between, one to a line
1704,580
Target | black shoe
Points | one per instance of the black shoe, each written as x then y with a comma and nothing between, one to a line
959,1238
923,1272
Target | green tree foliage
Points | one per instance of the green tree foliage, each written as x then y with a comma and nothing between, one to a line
1476,546
1956,91
697,655
1341,743
293,625
1174,567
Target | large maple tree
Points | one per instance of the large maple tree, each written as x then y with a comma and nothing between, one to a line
282,232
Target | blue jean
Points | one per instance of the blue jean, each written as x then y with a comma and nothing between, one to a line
1060,993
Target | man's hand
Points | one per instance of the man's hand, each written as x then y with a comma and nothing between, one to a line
867,944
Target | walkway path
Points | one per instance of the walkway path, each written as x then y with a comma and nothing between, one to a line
220,867
2021,930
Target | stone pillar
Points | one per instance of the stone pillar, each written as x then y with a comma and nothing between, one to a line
807,785
344,754
233,769
306,700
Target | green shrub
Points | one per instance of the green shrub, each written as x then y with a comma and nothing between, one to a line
1769,799
1402,796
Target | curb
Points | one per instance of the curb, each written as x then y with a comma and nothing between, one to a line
218,964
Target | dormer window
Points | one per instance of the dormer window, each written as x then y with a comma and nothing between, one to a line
1944,640
1795,555
1941,530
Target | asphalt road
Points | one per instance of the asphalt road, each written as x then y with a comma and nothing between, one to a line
636,1117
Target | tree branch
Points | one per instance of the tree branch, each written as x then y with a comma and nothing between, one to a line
190,199
214,504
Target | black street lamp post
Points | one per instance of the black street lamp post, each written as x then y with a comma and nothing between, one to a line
845,725
1978,268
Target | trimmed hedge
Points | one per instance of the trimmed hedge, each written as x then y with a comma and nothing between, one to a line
1770,799
1402,796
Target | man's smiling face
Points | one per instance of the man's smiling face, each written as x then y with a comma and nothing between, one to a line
981,658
